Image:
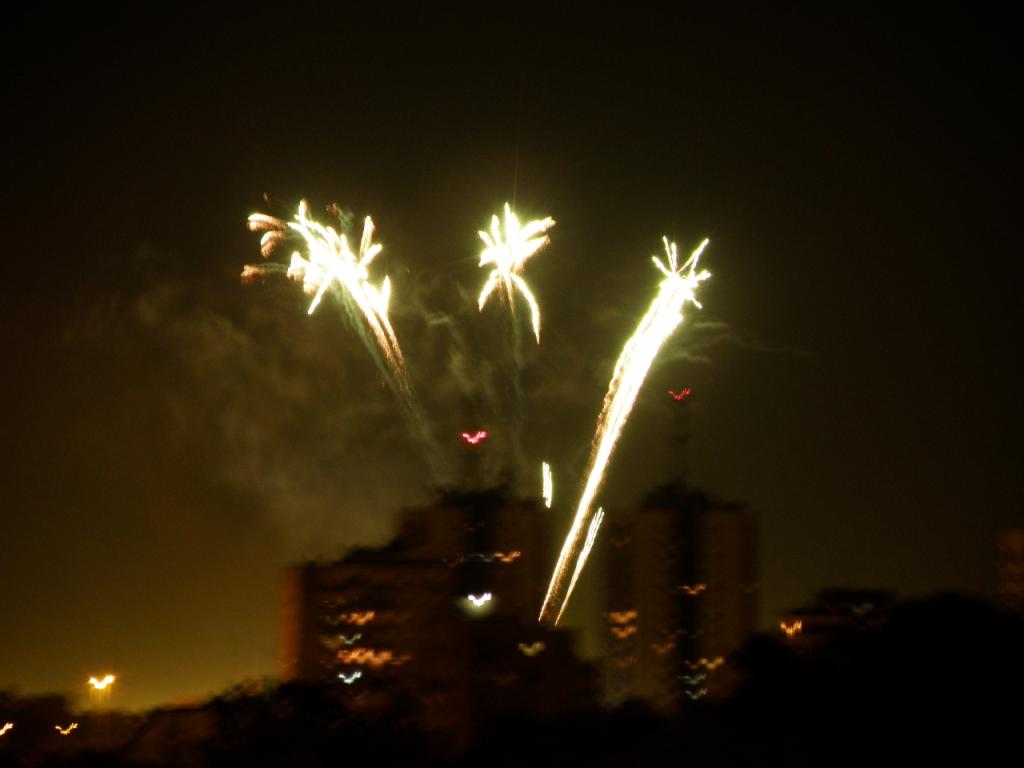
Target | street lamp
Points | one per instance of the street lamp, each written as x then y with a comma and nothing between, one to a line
99,697
99,689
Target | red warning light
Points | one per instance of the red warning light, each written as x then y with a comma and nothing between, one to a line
476,437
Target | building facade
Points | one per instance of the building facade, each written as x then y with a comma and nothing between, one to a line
445,616
681,597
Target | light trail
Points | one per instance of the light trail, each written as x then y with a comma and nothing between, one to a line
532,649
333,643
547,484
359,618
621,617
502,557
67,730
371,658
709,664
508,253
595,524
682,395
474,438
478,601
663,316
792,629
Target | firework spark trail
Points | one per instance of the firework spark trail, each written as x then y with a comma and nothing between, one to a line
547,484
514,397
595,524
661,319
508,254
331,260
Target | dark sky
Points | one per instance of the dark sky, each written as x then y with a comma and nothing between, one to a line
173,437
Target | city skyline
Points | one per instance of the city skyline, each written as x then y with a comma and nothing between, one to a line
175,438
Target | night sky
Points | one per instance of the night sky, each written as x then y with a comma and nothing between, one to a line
172,438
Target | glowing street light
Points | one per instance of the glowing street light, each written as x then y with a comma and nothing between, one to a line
102,683
794,628
100,689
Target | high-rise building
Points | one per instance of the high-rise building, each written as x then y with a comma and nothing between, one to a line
446,615
681,597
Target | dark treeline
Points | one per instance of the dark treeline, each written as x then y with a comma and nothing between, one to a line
939,682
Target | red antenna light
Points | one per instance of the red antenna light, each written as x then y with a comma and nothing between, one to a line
475,437
681,395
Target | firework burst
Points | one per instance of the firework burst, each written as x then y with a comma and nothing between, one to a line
507,253
330,260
